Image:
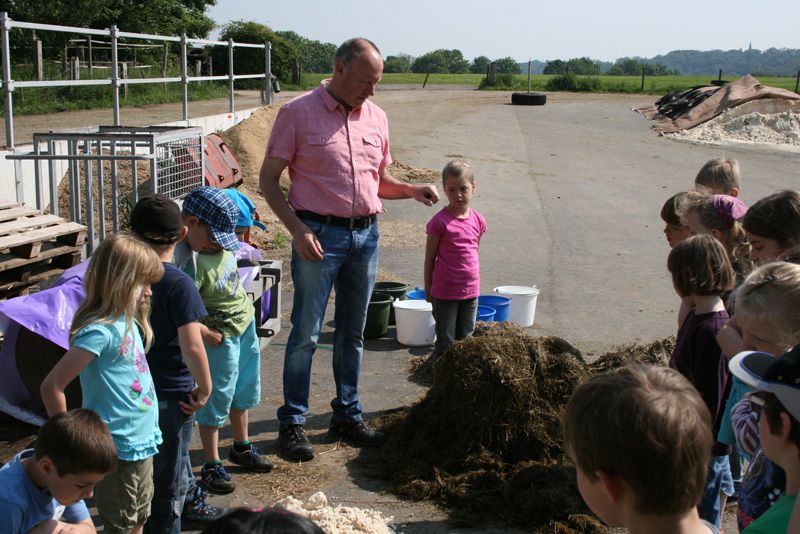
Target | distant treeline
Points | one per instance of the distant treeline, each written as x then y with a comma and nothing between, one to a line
770,62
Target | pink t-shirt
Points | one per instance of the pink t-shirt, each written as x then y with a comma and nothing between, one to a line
456,270
334,156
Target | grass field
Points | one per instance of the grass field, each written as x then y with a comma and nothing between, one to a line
607,84
51,100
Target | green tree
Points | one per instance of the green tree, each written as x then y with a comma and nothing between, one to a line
628,66
251,60
315,56
398,63
164,17
584,66
441,61
161,17
507,65
556,66
479,65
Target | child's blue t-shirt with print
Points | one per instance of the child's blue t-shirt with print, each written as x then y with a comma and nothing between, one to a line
23,505
118,386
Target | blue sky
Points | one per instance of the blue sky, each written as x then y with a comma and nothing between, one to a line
531,29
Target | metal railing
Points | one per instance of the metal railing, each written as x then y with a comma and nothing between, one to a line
172,157
7,24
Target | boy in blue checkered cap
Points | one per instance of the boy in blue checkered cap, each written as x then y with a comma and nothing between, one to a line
229,334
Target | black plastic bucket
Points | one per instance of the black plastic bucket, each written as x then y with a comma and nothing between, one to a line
378,315
396,289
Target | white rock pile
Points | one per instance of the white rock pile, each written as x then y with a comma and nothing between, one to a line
750,128
339,519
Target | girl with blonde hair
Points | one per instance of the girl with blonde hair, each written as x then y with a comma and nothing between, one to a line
107,351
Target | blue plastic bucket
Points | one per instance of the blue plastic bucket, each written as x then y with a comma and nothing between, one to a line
485,313
416,294
500,304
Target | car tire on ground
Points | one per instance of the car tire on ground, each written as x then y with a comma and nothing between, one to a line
528,99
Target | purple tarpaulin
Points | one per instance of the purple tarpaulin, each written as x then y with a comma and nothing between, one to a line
49,314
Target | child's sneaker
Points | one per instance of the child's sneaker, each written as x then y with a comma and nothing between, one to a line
216,479
199,511
251,459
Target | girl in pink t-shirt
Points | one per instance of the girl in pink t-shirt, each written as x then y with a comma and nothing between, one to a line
452,269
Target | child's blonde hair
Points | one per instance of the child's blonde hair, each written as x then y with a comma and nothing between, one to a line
720,175
118,270
700,266
771,296
730,229
457,169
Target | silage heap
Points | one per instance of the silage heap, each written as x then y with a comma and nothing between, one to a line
485,441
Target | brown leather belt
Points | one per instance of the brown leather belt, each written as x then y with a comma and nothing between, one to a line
352,223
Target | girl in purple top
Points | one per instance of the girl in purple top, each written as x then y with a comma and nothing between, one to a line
452,269
701,272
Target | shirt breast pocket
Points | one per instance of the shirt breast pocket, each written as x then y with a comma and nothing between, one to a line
325,145
373,148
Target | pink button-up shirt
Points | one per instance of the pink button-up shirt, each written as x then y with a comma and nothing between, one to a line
334,156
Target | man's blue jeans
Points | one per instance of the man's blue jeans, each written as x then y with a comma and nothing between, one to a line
172,470
349,266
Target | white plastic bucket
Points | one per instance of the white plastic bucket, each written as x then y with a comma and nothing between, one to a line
523,303
415,324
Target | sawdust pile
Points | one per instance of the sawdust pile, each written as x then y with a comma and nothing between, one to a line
248,141
338,519
774,122
485,441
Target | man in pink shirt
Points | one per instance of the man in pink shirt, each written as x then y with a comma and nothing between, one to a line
335,142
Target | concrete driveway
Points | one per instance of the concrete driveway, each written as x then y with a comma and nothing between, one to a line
571,192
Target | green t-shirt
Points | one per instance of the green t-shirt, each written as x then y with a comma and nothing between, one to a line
217,278
774,520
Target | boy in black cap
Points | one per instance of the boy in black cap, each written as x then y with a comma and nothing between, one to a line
179,367
778,383
232,346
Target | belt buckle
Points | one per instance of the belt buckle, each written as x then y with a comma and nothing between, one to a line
352,223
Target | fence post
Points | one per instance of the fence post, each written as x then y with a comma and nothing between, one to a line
230,76
296,71
164,65
112,31
797,83
91,64
8,84
491,76
38,62
124,66
75,68
184,80
529,75
198,68
268,74
642,79
720,74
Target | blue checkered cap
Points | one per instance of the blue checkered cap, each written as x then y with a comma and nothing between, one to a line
216,210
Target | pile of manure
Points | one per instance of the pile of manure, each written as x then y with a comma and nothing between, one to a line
657,352
485,441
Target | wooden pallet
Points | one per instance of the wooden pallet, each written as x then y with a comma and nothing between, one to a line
34,247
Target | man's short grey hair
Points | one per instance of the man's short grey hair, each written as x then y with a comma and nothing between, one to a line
352,49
